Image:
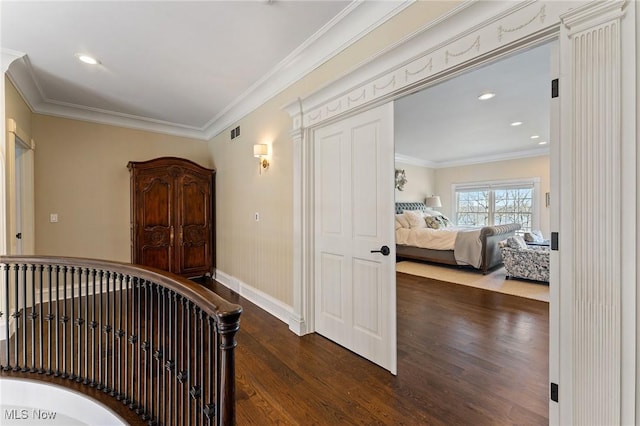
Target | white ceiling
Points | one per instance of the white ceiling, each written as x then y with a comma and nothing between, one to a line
179,67
447,125
195,68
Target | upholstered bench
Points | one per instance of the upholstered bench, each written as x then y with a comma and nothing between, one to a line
522,261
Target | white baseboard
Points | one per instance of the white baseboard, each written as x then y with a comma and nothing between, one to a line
3,328
278,309
77,288
298,325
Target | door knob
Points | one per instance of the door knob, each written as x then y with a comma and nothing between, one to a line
19,235
384,250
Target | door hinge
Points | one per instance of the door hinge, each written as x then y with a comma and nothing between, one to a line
554,241
554,88
554,392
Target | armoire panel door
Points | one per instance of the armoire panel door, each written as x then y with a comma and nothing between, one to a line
194,223
155,221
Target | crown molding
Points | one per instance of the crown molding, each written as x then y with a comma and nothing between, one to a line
476,32
412,161
538,152
8,56
355,22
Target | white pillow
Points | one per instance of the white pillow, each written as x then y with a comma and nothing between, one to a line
516,242
429,212
404,223
537,236
415,218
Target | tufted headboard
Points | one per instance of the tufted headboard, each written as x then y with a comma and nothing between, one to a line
410,206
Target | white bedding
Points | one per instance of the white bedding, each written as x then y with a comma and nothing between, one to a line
437,239
464,241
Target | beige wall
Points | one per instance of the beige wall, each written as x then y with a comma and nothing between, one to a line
16,108
420,183
499,170
81,174
260,254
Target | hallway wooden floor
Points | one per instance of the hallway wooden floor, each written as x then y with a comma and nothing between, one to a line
465,356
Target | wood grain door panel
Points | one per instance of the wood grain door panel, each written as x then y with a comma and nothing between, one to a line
155,222
172,216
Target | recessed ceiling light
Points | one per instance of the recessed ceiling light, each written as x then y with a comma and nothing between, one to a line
87,59
486,95
535,137
516,123
543,143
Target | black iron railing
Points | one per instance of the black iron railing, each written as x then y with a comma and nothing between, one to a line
158,343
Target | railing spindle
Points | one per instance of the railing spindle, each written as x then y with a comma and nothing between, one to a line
33,316
50,320
138,339
182,375
189,371
199,366
167,353
119,334
112,332
171,362
99,382
129,317
72,329
158,353
210,407
63,320
107,332
145,347
170,357
24,319
86,380
94,325
41,319
7,324
152,348
16,316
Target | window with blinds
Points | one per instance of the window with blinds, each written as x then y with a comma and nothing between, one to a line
496,203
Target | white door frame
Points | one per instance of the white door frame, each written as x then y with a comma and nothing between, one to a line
17,139
473,34
7,158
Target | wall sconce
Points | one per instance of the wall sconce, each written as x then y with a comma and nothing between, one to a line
433,201
261,151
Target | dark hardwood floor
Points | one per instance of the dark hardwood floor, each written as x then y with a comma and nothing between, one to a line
466,356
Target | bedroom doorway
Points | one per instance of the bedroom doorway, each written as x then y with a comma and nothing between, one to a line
476,34
447,138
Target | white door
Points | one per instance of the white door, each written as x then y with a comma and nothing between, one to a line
355,288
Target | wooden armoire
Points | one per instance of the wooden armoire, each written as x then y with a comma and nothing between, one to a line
173,216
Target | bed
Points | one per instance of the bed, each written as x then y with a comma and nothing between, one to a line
451,245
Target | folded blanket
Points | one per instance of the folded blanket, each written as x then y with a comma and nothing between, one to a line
468,248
